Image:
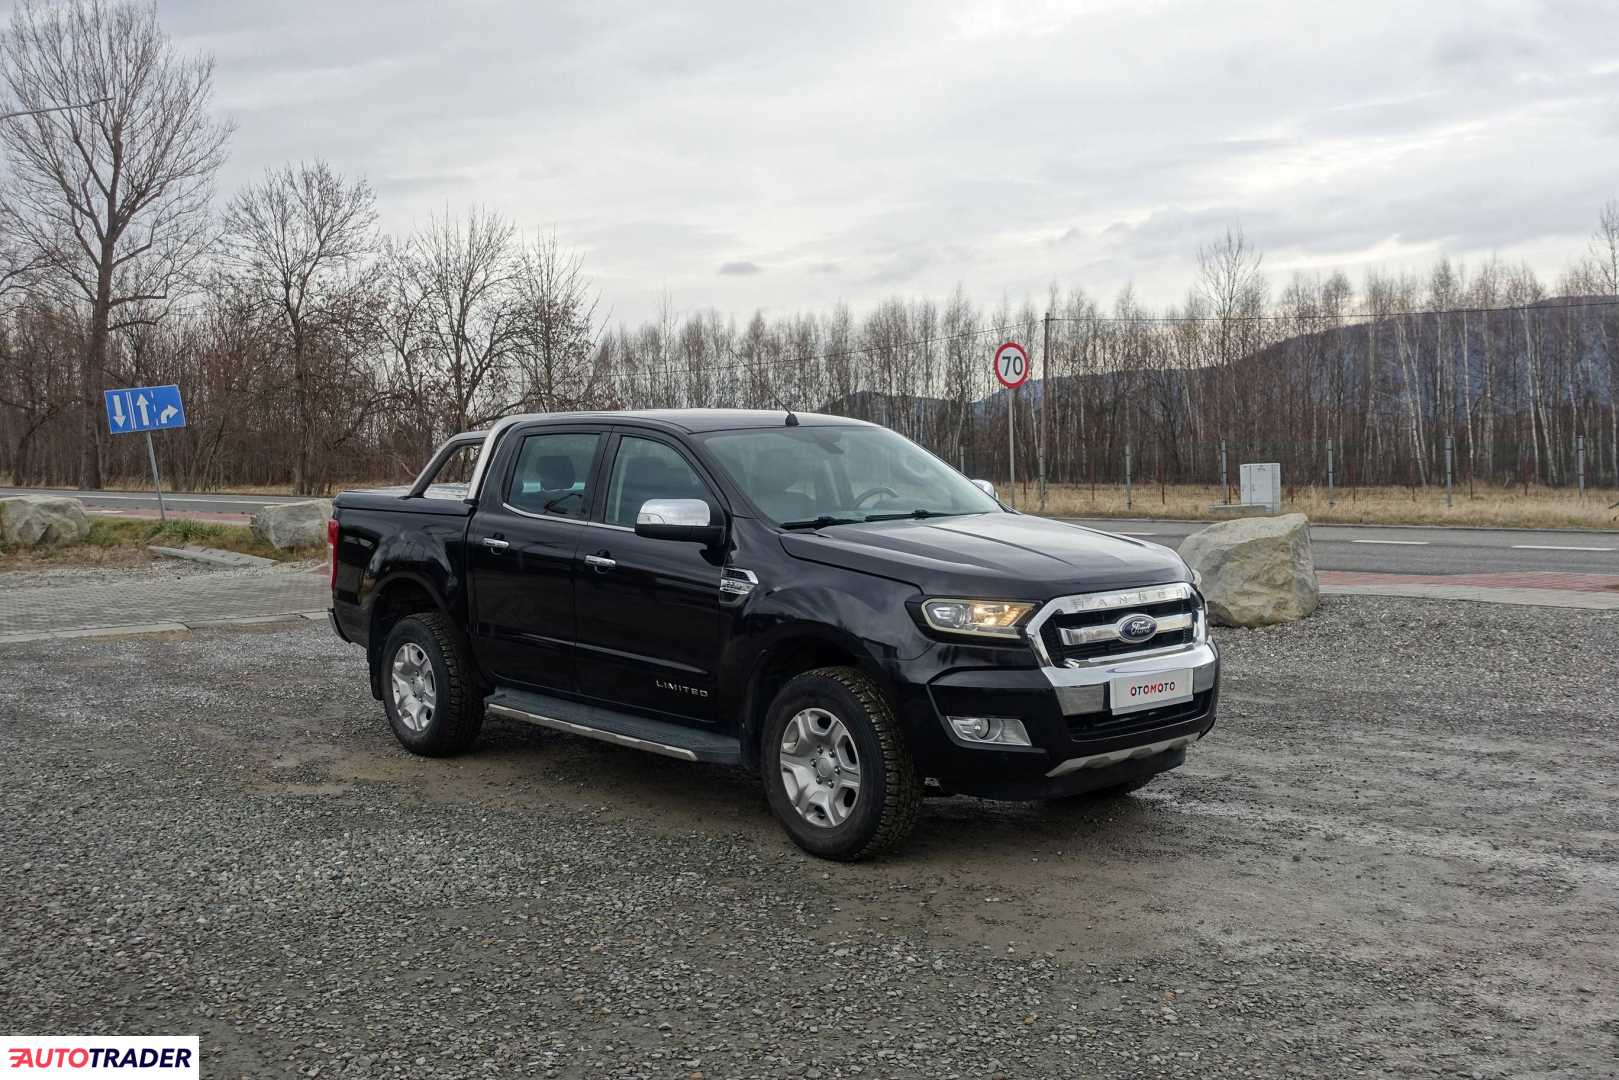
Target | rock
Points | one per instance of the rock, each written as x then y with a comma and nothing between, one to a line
290,525
1256,571
35,520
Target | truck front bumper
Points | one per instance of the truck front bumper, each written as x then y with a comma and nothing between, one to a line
1078,743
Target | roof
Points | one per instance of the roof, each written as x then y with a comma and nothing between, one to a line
703,420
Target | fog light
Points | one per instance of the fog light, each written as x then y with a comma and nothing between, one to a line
1002,730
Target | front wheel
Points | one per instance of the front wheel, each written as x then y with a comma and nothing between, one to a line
837,770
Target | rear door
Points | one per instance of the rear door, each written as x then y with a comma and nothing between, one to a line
523,547
649,610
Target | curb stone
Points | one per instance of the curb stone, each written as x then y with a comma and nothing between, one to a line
212,556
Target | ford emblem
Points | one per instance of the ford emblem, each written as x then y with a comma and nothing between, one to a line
1137,628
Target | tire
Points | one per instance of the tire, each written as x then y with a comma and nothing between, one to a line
448,716
839,718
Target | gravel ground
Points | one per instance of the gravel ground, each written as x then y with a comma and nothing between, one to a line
1396,854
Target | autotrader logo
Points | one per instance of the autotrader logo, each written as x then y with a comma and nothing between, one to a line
88,1057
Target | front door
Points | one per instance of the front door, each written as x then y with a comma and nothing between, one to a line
523,550
649,610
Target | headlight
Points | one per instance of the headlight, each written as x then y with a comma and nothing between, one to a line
985,618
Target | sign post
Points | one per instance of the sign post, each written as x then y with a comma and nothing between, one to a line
1012,370
146,409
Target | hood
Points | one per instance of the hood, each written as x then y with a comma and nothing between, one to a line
1011,556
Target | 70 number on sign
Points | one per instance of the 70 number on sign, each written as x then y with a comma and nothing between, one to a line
1011,365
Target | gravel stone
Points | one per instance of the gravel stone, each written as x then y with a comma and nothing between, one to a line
1393,855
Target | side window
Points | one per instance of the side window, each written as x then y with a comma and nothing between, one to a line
646,470
551,474
450,479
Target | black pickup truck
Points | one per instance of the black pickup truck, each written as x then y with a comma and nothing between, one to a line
809,596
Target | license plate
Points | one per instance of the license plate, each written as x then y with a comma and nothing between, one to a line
1132,693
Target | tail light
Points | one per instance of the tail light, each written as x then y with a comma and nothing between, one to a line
331,544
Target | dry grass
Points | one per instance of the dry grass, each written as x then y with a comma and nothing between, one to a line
1541,508
124,543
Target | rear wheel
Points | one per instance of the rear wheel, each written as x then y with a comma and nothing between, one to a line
428,687
837,770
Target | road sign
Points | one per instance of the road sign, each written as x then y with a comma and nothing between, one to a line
144,408
1011,365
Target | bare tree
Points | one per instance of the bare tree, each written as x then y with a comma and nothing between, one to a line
112,199
465,274
296,240
1232,289
561,353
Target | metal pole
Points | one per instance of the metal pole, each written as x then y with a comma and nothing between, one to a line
1450,453
157,483
1329,472
1127,476
1225,485
1011,445
1579,462
1045,392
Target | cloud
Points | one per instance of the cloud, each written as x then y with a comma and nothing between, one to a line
854,148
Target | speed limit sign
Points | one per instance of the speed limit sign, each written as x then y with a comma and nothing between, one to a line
1011,365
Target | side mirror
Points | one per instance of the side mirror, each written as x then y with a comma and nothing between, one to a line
985,486
677,519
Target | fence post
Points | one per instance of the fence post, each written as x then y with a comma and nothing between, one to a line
1579,462
1225,485
1127,476
1330,476
1450,453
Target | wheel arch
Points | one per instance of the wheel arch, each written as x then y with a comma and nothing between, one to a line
792,653
399,595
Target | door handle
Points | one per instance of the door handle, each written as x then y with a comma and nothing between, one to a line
495,544
600,562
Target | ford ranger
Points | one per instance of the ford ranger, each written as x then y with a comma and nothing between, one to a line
811,597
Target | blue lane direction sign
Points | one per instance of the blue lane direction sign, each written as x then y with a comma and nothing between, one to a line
144,408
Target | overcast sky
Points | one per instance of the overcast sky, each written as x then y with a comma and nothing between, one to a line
744,154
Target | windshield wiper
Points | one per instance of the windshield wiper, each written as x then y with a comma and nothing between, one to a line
912,514
820,522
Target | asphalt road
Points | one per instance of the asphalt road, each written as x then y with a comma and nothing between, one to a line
1370,548
1408,550
146,500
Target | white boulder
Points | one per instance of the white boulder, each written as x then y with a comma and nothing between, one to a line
290,525
34,520
1256,571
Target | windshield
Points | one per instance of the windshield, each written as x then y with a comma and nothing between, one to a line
835,475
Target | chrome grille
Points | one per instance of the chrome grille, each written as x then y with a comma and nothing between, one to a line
1075,630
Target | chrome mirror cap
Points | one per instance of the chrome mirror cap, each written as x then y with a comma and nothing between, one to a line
985,486
683,512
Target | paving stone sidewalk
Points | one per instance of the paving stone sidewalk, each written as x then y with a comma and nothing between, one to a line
146,606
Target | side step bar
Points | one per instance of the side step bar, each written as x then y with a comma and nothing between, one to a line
608,725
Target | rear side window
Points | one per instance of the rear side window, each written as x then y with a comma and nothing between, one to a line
552,474
454,473
645,470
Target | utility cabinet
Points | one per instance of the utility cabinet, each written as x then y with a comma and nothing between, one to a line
1262,485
